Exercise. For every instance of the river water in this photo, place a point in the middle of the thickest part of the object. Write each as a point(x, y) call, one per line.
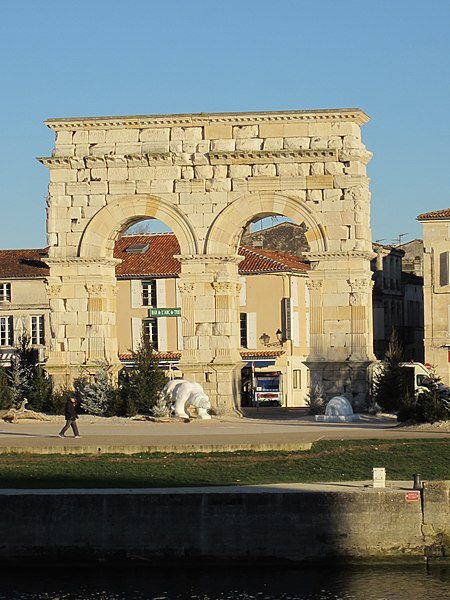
point(267, 583)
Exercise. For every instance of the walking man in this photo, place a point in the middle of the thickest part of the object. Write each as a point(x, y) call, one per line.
point(71, 418)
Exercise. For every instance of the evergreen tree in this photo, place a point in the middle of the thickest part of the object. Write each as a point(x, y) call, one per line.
point(40, 390)
point(161, 408)
point(97, 395)
point(391, 385)
point(431, 405)
point(141, 386)
point(19, 380)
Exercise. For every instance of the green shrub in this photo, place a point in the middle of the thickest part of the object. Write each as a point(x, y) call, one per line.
point(5, 391)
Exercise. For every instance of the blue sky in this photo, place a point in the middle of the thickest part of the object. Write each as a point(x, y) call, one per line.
point(391, 58)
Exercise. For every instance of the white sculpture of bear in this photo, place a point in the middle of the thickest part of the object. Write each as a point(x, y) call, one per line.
point(187, 393)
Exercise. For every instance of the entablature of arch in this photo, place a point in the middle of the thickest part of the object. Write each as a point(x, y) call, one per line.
point(244, 157)
point(232, 157)
point(355, 115)
point(339, 255)
point(95, 161)
point(210, 258)
point(70, 260)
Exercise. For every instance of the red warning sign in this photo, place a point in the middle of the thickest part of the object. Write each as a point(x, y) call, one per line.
point(412, 496)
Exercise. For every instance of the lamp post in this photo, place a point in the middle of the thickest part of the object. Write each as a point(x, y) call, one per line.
point(265, 339)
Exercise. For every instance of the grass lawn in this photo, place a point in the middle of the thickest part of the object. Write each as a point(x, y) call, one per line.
point(327, 461)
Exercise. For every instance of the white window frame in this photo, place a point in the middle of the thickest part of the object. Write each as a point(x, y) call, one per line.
point(6, 331)
point(37, 330)
point(5, 291)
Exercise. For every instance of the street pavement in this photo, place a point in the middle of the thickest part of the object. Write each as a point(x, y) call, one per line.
point(266, 429)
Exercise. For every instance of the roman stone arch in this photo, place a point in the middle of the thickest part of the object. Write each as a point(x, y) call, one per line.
point(206, 176)
point(225, 233)
point(102, 230)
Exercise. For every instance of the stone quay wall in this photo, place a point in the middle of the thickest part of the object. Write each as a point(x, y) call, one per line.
point(283, 523)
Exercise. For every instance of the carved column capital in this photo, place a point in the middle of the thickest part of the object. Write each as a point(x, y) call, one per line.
point(315, 285)
point(186, 287)
point(53, 291)
point(224, 288)
point(96, 290)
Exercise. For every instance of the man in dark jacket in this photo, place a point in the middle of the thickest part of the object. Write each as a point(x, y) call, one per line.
point(71, 417)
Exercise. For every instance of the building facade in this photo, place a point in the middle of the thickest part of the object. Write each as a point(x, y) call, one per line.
point(24, 306)
point(436, 269)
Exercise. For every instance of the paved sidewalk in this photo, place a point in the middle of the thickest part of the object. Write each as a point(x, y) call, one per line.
point(268, 429)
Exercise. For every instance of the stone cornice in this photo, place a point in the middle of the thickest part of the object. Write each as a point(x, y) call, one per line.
point(94, 161)
point(200, 119)
point(70, 260)
point(329, 255)
point(272, 156)
point(210, 258)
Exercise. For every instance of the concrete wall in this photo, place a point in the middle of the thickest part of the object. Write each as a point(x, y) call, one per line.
point(272, 523)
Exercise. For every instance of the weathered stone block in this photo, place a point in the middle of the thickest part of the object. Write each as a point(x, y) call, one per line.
point(63, 175)
point(216, 132)
point(271, 130)
point(245, 131)
point(98, 187)
point(220, 171)
point(351, 141)
point(223, 145)
point(264, 170)
point(239, 171)
point(297, 143)
point(63, 137)
point(317, 168)
point(249, 144)
point(218, 185)
point(118, 174)
point(173, 172)
point(162, 186)
point(186, 133)
point(101, 149)
point(273, 143)
point(155, 134)
point(64, 150)
point(80, 137)
point(122, 187)
point(97, 136)
point(319, 142)
point(333, 168)
point(139, 173)
point(128, 147)
point(122, 135)
point(155, 147)
point(203, 172)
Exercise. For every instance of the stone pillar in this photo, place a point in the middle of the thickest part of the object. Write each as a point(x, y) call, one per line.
point(82, 295)
point(360, 321)
point(316, 319)
point(187, 290)
point(210, 326)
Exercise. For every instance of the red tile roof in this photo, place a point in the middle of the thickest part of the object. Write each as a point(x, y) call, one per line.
point(16, 264)
point(245, 354)
point(436, 214)
point(157, 260)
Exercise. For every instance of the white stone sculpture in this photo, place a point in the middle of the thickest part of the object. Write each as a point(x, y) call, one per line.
point(338, 410)
point(187, 393)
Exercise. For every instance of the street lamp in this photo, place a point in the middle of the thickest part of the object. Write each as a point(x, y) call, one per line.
point(265, 339)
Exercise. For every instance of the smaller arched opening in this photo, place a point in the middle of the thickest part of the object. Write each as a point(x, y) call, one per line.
point(226, 231)
point(108, 223)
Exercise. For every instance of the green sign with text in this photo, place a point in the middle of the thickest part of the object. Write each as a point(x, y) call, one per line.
point(165, 312)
